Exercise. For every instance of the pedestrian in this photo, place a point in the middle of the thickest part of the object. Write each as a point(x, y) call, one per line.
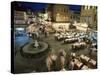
point(61, 59)
point(51, 61)
point(71, 64)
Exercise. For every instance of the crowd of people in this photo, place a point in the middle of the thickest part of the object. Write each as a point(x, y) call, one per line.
point(39, 28)
point(56, 62)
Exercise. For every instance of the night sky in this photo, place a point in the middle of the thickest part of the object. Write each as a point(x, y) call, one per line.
point(75, 7)
point(39, 6)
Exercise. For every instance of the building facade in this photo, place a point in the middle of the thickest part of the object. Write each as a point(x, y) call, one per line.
point(74, 16)
point(61, 13)
point(58, 12)
point(89, 15)
point(20, 17)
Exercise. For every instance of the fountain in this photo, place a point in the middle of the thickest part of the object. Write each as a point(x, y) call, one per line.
point(34, 48)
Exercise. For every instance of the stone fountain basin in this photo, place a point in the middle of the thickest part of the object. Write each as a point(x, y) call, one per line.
point(28, 50)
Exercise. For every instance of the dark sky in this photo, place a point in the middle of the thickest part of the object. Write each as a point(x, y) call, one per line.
point(75, 7)
point(39, 6)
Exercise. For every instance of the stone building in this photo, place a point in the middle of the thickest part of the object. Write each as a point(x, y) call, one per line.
point(61, 13)
point(58, 12)
point(89, 16)
point(20, 17)
point(74, 16)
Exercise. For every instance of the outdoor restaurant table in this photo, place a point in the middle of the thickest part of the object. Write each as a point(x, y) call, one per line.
point(93, 62)
point(73, 54)
point(78, 45)
point(84, 58)
point(78, 63)
point(81, 43)
point(56, 34)
point(71, 40)
point(84, 67)
point(94, 49)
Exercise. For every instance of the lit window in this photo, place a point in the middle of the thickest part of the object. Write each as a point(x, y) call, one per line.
point(20, 29)
point(85, 7)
